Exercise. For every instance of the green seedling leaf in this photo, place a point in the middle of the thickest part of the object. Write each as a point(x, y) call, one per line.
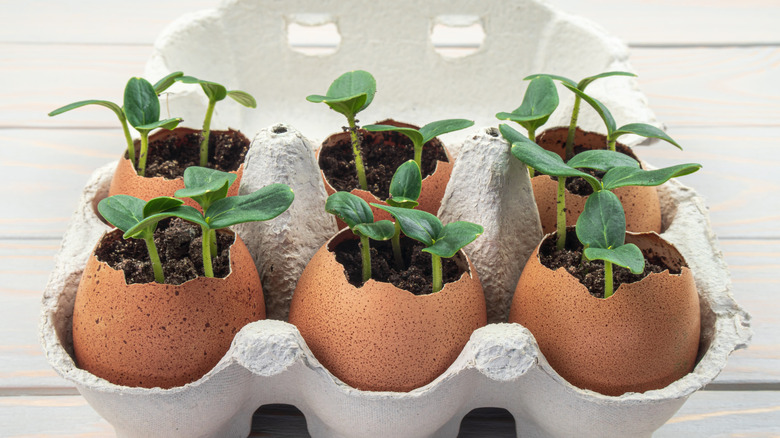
point(644, 130)
point(205, 186)
point(628, 256)
point(160, 204)
point(542, 160)
point(166, 82)
point(539, 102)
point(350, 93)
point(381, 230)
point(122, 211)
point(261, 205)
point(441, 127)
point(414, 135)
point(184, 211)
point(110, 105)
point(417, 224)
point(243, 98)
point(141, 104)
point(602, 160)
point(350, 208)
point(602, 110)
point(167, 124)
point(453, 237)
point(602, 224)
point(556, 77)
point(213, 90)
point(406, 186)
point(630, 176)
point(586, 81)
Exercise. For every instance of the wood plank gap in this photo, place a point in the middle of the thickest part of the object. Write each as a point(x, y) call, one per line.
point(702, 45)
point(56, 239)
point(39, 392)
point(60, 127)
point(74, 43)
point(762, 238)
point(742, 386)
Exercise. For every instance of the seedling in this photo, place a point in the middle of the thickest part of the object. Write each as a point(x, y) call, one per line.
point(613, 132)
point(208, 187)
point(215, 92)
point(539, 102)
point(621, 170)
point(440, 240)
point(424, 134)
point(130, 213)
point(159, 87)
point(349, 94)
point(358, 216)
point(577, 100)
point(405, 188)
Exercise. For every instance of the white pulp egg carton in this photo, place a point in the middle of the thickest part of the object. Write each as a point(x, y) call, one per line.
point(243, 44)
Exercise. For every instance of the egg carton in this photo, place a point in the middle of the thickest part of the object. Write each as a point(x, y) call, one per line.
point(501, 365)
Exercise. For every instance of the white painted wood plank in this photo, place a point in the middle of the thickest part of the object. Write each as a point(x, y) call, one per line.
point(682, 21)
point(55, 416)
point(711, 87)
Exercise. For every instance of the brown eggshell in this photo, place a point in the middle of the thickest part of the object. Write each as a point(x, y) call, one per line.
point(433, 185)
point(645, 336)
point(641, 204)
point(126, 180)
point(161, 335)
point(378, 337)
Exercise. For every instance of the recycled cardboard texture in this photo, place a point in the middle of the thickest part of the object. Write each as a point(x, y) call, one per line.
point(280, 154)
point(491, 188)
point(501, 365)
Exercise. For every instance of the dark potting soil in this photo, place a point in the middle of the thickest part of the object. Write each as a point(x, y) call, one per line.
point(170, 156)
point(579, 186)
point(382, 153)
point(179, 246)
point(591, 273)
point(415, 277)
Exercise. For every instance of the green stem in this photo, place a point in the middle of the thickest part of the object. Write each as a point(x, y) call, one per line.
point(437, 283)
point(154, 257)
point(204, 144)
point(130, 146)
point(213, 240)
point(361, 171)
point(418, 154)
point(607, 279)
point(611, 143)
point(572, 128)
point(561, 203)
point(365, 251)
point(532, 137)
point(144, 150)
point(208, 271)
point(399, 261)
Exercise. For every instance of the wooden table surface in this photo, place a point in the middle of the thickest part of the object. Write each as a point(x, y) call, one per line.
point(709, 68)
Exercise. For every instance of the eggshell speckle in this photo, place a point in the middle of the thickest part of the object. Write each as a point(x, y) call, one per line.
point(126, 180)
point(161, 335)
point(643, 210)
point(378, 337)
point(645, 336)
point(433, 185)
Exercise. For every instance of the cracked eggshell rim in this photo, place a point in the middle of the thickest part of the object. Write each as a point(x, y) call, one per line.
point(379, 337)
point(161, 335)
point(126, 180)
point(433, 185)
point(641, 204)
point(644, 337)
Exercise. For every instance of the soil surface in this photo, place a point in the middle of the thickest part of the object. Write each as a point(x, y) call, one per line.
point(416, 276)
point(579, 186)
point(591, 273)
point(169, 156)
point(179, 246)
point(382, 153)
